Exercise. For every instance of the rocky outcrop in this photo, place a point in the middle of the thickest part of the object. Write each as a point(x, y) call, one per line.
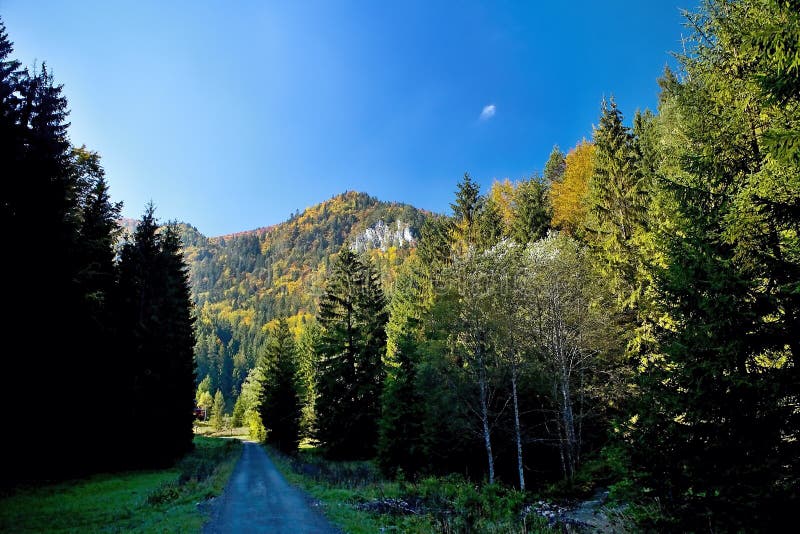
point(381, 235)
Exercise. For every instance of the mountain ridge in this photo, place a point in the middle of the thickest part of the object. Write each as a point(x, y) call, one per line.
point(244, 280)
point(129, 224)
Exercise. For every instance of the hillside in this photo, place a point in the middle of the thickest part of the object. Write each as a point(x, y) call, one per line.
point(242, 281)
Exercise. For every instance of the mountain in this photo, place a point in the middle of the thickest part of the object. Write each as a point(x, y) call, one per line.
point(242, 281)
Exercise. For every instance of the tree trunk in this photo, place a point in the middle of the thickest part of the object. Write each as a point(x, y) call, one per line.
point(516, 427)
point(487, 437)
point(569, 426)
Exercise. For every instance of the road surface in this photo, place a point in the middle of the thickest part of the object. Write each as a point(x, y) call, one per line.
point(258, 499)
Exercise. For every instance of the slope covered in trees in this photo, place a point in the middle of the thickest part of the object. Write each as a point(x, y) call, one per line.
point(242, 282)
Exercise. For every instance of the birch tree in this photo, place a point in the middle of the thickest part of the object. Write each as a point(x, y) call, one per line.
point(471, 339)
point(510, 324)
point(568, 319)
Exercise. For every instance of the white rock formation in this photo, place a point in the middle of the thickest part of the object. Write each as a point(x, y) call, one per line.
point(381, 235)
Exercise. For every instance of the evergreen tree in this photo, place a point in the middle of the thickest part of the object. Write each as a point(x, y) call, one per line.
point(466, 210)
point(490, 224)
point(11, 145)
point(97, 230)
point(95, 279)
point(350, 353)
point(177, 347)
point(218, 411)
point(617, 199)
point(402, 433)
point(401, 443)
point(307, 370)
point(719, 392)
point(372, 318)
point(38, 198)
point(435, 244)
point(119, 333)
point(555, 167)
point(156, 327)
point(279, 404)
point(533, 213)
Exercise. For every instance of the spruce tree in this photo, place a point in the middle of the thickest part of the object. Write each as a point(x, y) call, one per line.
point(372, 318)
point(555, 167)
point(719, 391)
point(279, 404)
point(218, 411)
point(95, 277)
point(11, 145)
point(177, 347)
point(402, 433)
point(401, 443)
point(466, 210)
point(490, 224)
point(38, 198)
point(532, 214)
point(156, 327)
point(350, 352)
point(617, 198)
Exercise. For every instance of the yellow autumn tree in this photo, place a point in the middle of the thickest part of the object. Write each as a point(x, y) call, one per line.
point(502, 194)
point(568, 197)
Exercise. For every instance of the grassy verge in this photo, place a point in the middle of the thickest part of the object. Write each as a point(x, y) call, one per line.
point(204, 428)
point(357, 499)
point(135, 501)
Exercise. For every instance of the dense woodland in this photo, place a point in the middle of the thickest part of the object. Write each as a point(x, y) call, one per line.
point(244, 282)
point(100, 360)
point(627, 318)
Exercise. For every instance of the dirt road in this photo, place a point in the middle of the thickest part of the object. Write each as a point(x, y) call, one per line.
point(258, 499)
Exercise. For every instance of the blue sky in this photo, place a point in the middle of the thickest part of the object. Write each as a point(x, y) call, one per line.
point(232, 115)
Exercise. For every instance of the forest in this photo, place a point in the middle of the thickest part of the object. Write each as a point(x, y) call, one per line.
point(101, 329)
point(627, 318)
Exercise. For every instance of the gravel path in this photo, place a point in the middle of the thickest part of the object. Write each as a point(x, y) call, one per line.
point(258, 499)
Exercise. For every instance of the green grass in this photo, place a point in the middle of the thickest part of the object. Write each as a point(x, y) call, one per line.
point(135, 501)
point(447, 505)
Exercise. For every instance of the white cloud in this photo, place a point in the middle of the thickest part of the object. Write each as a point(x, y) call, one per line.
point(488, 112)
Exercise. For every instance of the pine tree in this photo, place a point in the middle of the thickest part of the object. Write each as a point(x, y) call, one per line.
point(279, 404)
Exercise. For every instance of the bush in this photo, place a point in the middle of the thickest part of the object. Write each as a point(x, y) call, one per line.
point(350, 475)
point(458, 504)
